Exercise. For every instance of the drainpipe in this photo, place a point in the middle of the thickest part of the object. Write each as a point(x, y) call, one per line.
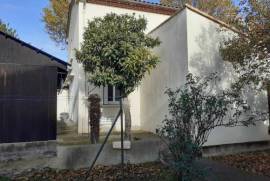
point(268, 96)
point(86, 94)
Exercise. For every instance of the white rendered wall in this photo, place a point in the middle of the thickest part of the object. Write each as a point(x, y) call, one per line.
point(62, 103)
point(73, 42)
point(84, 13)
point(190, 43)
point(170, 72)
point(77, 103)
point(204, 38)
point(94, 10)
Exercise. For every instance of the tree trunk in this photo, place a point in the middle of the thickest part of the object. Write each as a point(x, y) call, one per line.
point(94, 116)
point(126, 109)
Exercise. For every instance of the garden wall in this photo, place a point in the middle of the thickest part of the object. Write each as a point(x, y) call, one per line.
point(27, 150)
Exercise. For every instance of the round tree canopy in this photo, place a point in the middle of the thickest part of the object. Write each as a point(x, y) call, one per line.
point(117, 52)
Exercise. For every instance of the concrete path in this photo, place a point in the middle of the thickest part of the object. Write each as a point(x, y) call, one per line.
point(220, 172)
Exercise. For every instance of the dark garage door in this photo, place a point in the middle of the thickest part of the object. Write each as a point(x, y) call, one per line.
point(27, 103)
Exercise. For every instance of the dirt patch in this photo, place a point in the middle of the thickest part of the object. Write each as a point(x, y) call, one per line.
point(140, 172)
point(72, 138)
point(252, 162)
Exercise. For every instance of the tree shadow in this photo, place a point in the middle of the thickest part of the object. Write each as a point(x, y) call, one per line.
point(205, 58)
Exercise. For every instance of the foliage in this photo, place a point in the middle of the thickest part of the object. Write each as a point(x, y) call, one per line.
point(95, 115)
point(55, 17)
point(222, 9)
point(195, 110)
point(116, 51)
point(250, 51)
point(7, 29)
point(175, 3)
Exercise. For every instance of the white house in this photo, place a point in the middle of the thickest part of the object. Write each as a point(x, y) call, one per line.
point(80, 13)
point(190, 43)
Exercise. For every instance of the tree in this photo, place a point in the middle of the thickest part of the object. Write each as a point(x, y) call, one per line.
point(249, 52)
point(175, 3)
point(116, 51)
point(195, 110)
point(224, 10)
point(55, 17)
point(7, 29)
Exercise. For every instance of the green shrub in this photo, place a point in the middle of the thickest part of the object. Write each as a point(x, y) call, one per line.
point(195, 110)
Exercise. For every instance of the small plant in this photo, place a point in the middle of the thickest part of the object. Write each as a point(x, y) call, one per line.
point(195, 110)
point(95, 114)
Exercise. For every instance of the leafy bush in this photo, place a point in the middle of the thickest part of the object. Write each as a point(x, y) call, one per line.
point(195, 110)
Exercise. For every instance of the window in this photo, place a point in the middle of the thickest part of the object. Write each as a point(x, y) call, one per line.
point(111, 95)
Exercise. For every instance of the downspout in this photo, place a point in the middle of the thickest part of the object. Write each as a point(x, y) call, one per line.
point(268, 97)
point(85, 78)
point(85, 82)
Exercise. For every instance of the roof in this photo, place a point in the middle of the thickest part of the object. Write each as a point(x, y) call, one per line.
point(157, 8)
point(51, 57)
point(137, 5)
point(212, 18)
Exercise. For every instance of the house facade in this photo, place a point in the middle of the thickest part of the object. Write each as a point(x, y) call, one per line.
point(80, 13)
point(191, 41)
point(190, 44)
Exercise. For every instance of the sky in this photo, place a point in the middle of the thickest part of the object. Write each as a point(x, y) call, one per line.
point(25, 16)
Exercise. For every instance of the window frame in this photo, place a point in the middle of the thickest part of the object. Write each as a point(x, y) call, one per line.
point(105, 96)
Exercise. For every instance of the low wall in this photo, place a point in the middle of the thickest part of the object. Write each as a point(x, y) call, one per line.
point(228, 149)
point(141, 151)
point(27, 150)
point(83, 155)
